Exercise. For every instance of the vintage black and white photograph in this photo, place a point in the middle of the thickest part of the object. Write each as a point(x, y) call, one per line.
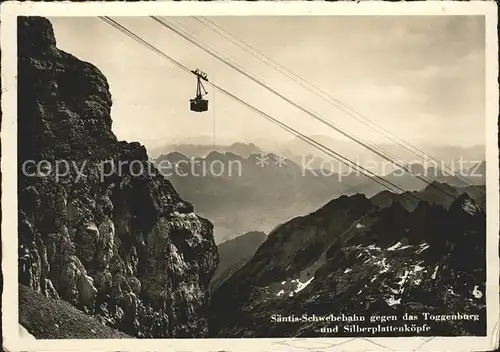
point(320, 176)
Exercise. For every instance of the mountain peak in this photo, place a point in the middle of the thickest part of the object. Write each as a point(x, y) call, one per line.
point(233, 156)
point(465, 204)
point(436, 185)
point(356, 201)
point(214, 155)
point(174, 157)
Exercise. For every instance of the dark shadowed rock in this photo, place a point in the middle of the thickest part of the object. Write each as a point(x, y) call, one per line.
point(235, 253)
point(434, 193)
point(353, 258)
point(109, 235)
point(46, 318)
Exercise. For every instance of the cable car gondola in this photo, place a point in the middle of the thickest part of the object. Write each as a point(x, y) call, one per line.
point(198, 104)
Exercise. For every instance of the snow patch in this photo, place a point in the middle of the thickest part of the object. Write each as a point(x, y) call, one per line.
point(92, 227)
point(347, 270)
point(302, 285)
point(418, 268)
point(383, 265)
point(396, 290)
point(397, 246)
point(403, 278)
point(477, 293)
point(394, 247)
point(392, 301)
point(293, 286)
point(422, 247)
point(359, 226)
point(469, 207)
point(434, 274)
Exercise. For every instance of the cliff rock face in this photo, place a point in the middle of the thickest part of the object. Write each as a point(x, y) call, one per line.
point(104, 231)
point(352, 257)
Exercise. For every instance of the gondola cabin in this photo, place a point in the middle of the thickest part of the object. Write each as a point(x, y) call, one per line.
point(198, 104)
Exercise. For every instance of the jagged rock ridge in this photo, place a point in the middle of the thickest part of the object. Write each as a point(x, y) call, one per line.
point(434, 193)
point(107, 236)
point(352, 257)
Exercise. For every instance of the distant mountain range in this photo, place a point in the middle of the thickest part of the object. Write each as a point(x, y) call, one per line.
point(241, 194)
point(351, 257)
point(354, 151)
point(298, 150)
point(202, 150)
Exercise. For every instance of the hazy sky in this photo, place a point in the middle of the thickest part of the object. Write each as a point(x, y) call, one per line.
point(420, 77)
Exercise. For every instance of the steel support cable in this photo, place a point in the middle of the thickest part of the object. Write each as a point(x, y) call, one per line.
point(289, 75)
point(215, 53)
point(312, 114)
point(329, 98)
point(316, 144)
point(372, 148)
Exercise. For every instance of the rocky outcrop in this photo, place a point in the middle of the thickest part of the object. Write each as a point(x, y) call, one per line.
point(45, 318)
point(354, 258)
point(98, 226)
point(434, 193)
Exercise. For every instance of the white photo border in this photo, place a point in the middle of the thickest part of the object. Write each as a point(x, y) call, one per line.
point(10, 10)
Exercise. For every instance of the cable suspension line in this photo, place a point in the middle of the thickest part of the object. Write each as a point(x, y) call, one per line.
point(376, 178)
point(329, 98)
point(310, 113)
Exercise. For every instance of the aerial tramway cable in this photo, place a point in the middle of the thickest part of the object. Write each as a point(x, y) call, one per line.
point(328, 97)
point(213, 114)
point(288, 75)
point(373, 149)
point(385, 155)
point(346, 161)
point(214, 53)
